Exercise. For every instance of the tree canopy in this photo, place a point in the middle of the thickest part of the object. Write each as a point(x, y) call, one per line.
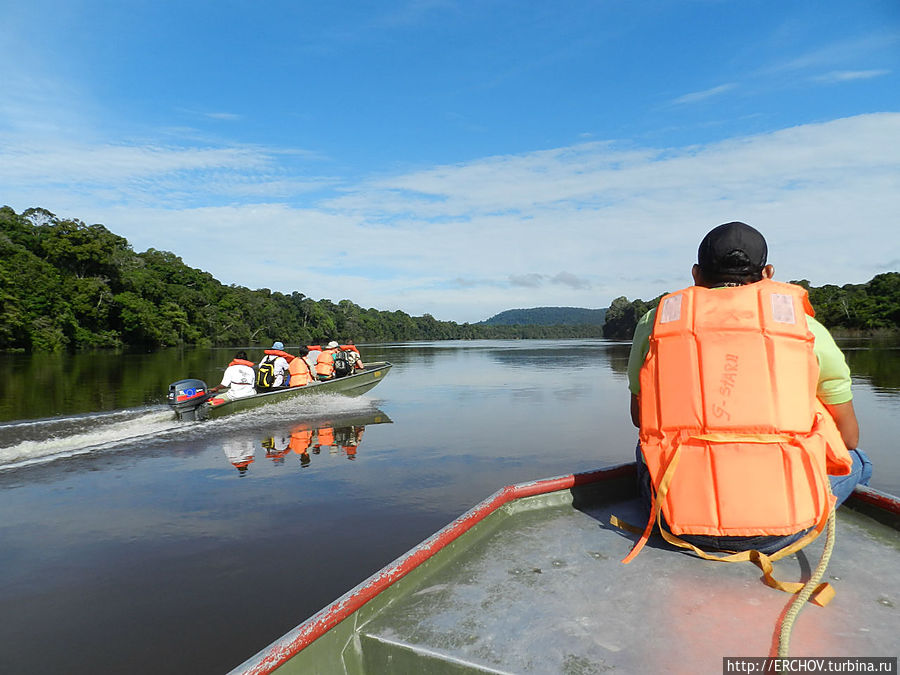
point(67, 285)
point(858, 308)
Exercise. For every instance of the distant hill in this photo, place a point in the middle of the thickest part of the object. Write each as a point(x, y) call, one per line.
point(547, 316)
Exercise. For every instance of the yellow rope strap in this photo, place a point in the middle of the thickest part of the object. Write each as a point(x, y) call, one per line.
point(810, 588)
point(820, 595)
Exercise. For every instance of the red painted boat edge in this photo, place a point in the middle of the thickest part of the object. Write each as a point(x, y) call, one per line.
point(282, 650)
point(881, 500)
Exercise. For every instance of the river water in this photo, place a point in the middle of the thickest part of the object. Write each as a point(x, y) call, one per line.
point(133, 543)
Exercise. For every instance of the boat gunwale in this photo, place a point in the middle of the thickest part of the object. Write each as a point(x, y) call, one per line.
point(294, 641)
point(297, 639)
point(368, 371)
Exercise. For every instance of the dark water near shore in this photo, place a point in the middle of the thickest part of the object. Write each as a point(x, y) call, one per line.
point(131, 543)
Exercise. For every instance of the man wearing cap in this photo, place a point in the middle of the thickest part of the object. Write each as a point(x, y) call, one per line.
point(736, 384)
point(272, 371)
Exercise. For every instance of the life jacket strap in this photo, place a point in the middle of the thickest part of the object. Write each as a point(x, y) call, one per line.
point(821, 596)
point(656, 506)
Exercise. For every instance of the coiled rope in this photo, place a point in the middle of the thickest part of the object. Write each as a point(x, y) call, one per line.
point(787, 625)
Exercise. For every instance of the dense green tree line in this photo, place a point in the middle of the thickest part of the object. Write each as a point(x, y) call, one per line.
point(67, 285)
point(853, 308)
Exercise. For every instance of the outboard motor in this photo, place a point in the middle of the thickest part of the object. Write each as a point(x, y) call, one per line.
point(186, 397)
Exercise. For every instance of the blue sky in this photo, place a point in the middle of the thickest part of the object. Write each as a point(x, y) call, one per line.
point(461, 158)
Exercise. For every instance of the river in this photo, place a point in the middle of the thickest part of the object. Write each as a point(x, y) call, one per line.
point(134, 543)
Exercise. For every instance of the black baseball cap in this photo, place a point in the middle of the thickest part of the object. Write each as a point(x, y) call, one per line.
point(732, 249)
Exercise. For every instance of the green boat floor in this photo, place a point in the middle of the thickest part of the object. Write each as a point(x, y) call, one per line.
point(543, 590)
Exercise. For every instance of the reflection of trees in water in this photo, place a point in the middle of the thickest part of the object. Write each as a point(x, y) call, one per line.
point(613, 355)
point(876, 360)
point(50, 384)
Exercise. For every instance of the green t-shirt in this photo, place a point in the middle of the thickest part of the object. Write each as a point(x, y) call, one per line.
point(834, 373)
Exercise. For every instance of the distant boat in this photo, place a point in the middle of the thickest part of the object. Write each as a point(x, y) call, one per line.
point(530, 581)
point(191, 400)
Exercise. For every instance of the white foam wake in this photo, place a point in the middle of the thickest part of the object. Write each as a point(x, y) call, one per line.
point(40, 441)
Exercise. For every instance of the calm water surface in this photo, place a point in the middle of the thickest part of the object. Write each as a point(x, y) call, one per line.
point(132, 543)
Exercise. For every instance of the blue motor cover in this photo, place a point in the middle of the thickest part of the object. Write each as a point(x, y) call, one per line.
point(187, 394)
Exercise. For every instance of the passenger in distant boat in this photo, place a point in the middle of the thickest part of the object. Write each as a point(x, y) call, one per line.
point(735, 383)
point(238, 378)
point(272, 372)
point(353, 356)
point(325, 361)
point(301, 373)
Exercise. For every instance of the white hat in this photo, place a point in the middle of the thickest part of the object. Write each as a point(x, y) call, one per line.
point(332, 345)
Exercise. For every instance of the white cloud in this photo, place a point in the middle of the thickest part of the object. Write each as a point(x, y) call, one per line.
point(850, 75)
point(697, 96)
point(573, 226)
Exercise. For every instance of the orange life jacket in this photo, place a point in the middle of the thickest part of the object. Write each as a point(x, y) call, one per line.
point(728, 395)
point(325, 436)
point(278, 352)
point(325, 362)
point(241, 362)
point(301, 439)
point(320, 348)
point(300, 372)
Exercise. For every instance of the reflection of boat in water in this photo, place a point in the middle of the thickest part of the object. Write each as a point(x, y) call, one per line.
point(530, 580)
point(190, 399)
point(240, 452)
point(334, 435)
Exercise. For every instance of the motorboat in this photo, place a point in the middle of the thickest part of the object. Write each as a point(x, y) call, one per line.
point(531, 580)
point(190, 399)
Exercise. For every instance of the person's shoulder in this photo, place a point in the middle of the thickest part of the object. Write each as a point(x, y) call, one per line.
point(648, 317)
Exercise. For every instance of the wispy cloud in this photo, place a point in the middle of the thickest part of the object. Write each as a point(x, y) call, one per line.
point(571, 280)
point(850, 75)
point(230, 117)
point(842, 52)
point(527, 280)
point(570, 226)
point(698, 96)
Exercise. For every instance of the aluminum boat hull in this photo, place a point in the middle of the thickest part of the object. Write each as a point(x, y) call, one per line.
point(530, 581)
point(352, 385)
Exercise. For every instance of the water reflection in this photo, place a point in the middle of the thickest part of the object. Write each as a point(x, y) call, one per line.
point(337, 436)
point(876, 360)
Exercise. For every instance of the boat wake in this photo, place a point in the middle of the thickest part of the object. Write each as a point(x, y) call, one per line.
point(31, 442)
point(39, 441)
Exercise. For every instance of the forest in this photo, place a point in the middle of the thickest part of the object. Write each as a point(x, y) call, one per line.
point(66, 285)
point(869, 308)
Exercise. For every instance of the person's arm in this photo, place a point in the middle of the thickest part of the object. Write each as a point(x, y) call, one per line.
point(845, 418)
point(224, 384)
point(640, 345)
point(833, 387)
point(635, 411)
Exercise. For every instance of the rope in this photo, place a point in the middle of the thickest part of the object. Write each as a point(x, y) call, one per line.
point(787, 625)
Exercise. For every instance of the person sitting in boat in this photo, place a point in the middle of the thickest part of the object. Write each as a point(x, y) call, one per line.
point(272, 372)
point(325, 361)
point(301, 373)
point(734, 382)
point(237, 379)
point(353, 356)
